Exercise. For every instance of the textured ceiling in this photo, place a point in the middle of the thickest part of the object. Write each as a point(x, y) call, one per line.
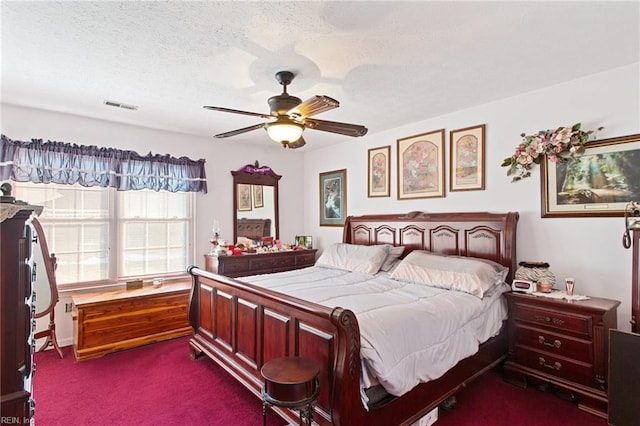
point(388, 63)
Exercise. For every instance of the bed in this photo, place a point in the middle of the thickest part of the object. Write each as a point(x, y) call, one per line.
point(241, 325)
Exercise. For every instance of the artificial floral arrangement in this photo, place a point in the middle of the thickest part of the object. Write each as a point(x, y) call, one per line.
point(558, 145)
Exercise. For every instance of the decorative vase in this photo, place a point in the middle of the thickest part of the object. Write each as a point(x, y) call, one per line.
point(538, 272)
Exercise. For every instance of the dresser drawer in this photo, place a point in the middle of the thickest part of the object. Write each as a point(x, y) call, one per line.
point(565, 321)
point(569, 369)
point(258, 262)
point(306, 259)
point(234, 264)
point(555, 343)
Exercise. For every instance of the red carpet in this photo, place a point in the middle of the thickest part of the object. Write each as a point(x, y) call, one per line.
point(160, 384)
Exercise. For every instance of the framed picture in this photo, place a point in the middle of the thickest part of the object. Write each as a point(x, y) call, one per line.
point(244, 197)
point(258, 200)
point(333, 198)
point(379, 172)
point(421, 166)
point(600, 182)
point(466, 155)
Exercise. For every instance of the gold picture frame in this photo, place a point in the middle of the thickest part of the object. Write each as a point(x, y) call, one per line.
point(379, 172)
point(598, 183)
point(421, 166)
point(333, 198)
point(467, 159)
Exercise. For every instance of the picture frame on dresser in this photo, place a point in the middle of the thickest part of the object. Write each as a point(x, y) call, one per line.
point(598, 183)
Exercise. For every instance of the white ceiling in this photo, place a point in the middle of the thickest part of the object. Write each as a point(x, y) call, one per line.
point(388, 63)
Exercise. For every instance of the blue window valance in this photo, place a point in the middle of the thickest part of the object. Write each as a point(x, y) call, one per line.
point(65, 163)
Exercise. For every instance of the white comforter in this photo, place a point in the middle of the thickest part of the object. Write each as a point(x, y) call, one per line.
point(410, 333)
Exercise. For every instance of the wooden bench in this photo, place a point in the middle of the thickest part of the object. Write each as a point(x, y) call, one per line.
point(110, 321)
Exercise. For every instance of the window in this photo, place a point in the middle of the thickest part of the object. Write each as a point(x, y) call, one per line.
point(152, 231)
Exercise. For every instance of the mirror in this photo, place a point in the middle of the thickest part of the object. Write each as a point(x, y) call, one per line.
point(255, 202)
point(45, 285)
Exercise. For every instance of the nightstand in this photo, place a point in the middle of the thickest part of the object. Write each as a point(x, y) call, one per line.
point(565, 344)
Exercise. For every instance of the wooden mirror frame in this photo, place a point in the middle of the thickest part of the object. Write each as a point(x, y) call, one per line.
point(50, 264)
point(255, 175)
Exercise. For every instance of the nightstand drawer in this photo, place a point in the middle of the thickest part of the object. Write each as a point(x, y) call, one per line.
point(555, 343)
point(557, 366)
point(574, 323)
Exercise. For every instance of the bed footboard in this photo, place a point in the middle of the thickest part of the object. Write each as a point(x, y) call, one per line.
point(241, 327)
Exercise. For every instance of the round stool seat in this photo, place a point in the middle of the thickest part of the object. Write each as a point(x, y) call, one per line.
point(291, 382)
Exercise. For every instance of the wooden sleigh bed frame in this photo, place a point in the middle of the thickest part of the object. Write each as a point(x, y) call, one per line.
point(241, 326)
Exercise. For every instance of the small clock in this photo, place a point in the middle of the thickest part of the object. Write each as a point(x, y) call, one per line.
point(523, 286)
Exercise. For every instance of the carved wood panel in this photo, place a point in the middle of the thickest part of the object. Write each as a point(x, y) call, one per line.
point(205, 312)
point(320, 346)
point(445, 240)
point(484, 242)
point(247, 331)
point(385, 235)
point(276, 329)
point(223, 321)
point(413, 238)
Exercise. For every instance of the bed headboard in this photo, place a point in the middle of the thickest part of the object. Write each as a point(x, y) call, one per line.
point(484, 235)
point(254, 229)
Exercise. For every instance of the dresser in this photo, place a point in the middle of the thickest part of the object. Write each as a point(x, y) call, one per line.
point(110, 321)
point(635, 284)
point(259, 263)
point(17, 306)
point(564, 344)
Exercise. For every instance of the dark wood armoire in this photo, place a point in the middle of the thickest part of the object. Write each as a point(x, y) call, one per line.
point(16, 313)
point(624, 368)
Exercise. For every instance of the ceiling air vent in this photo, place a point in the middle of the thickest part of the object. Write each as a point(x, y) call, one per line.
point(121, 105)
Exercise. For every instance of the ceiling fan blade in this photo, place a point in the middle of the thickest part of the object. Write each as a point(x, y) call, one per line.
point(297, 144)
point(347, 129)
point(237, 111)
point(313, 106)
point(239, 131)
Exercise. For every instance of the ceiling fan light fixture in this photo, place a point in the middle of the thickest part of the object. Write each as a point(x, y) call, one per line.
point(284, 130)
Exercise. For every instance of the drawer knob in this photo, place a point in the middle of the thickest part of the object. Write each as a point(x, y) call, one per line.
point(555, 366)
point(556, 343)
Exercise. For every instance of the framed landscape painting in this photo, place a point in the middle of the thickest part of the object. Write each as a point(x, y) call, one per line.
point(421, 166)
point(379, 176)
point(333, 198)
point(600, 182)
point(466, 155)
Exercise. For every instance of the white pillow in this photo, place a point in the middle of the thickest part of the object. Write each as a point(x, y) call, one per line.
point(350, 257)
point(468, 274)
point(392, 258)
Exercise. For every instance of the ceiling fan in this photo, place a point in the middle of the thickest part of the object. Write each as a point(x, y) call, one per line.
point(290, 116)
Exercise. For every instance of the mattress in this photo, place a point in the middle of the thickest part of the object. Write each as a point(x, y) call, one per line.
point(410, 333)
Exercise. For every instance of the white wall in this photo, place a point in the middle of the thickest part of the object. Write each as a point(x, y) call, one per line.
point(221, 156)
point(588, 249)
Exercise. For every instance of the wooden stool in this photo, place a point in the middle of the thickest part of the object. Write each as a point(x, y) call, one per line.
point(291, 382)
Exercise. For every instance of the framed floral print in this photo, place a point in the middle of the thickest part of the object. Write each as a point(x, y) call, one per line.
point(333, 198)
point(379, 177)
point(466, 157)
point(258, 200)
point(421, 166)
point(244, 197)
point(599, 182)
